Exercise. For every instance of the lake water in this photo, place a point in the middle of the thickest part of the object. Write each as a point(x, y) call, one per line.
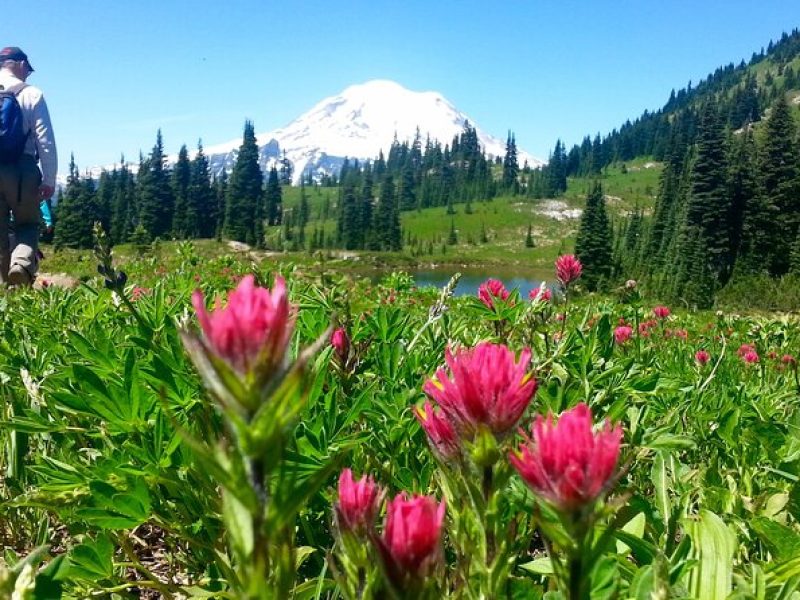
point(471, 279)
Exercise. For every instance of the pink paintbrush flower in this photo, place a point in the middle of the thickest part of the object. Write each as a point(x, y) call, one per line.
point(622, 334)
point(744, 349)
point(567, 462)
point(661, 312)
point(750, 357)
point(702, 357)
point(254, 327)
point(540, 294)
point(341, 344)
point(411, 541)
point(358, 502)
point(568, 269)
point(442, 436)
point(485, 386)
point(491, 289)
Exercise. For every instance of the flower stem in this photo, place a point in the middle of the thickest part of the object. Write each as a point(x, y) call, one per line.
point(578, 569)
point(487, 488)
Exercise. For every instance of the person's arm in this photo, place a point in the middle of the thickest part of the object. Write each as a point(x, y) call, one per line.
point(45, 146)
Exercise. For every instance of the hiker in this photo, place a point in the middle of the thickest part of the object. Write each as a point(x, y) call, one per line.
point(26, 143)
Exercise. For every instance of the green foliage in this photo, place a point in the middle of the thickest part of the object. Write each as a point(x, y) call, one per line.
point(76, 211)
point(155, 199)
point(244, 196)
point(593, 244)
point(185, 218)
point(780, 176)
point(511, 166)
point(203, 206)
point(96, 431)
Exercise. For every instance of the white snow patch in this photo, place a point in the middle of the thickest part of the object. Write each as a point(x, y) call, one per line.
point(558, 210)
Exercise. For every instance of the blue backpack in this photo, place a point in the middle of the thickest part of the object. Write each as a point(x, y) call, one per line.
point(12, 127)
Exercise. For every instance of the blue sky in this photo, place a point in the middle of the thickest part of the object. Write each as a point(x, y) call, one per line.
point(114, 72)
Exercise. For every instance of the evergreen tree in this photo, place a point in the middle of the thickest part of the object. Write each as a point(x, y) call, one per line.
point(529, 237)
point(124, 214)
point(511, 166)
point(76, 212)
point(104, 198)
point(557, 171)
point(220, 197)
point(780, 169)
point(303, 212)
point(274, 198)
point(244, 200)
point(594, 241)
point(387, 218)
point(184, 219)
point(452, 238)
point(743, 190)
point(349, 233)
point(365, 217)
point(406, 193)
point(708, 209)
point(156, 202)
point(202, 199)
point(287, 170)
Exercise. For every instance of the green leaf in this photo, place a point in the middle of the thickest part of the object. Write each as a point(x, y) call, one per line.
point(783, 542)
point(634, 527)
point(670, 441)
point(301, 553)
point(239, 524)
point(605, 579)
point(539, 566)
point(713, 546)
point(662, 484)
point(48, 579)
point(91, 560)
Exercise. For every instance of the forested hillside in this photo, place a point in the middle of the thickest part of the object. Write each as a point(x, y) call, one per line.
point(728, 201)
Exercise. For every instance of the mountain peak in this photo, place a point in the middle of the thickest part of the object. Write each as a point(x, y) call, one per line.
point(365, 118)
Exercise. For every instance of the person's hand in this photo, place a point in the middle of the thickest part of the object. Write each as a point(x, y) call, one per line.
point(46, 191)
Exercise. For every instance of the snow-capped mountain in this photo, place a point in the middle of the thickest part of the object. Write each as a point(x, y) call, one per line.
point(356, 124)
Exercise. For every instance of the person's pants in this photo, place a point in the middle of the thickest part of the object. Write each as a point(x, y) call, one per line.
point(19, 196)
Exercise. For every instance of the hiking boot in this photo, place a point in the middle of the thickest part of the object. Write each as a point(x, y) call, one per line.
point(19, 275)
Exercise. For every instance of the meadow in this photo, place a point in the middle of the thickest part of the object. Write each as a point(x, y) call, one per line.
point(151, 449)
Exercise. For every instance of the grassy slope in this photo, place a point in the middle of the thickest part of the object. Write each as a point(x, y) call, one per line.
point(506, 218)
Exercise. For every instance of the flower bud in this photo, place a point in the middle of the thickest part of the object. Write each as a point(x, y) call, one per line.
point(491, 289)
point(358, 503)
point(485, 386)
point(566, 462)
point(442, 436)
point(411, 541)
point(568, 269)
point(252, 330)
point(341, 345)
